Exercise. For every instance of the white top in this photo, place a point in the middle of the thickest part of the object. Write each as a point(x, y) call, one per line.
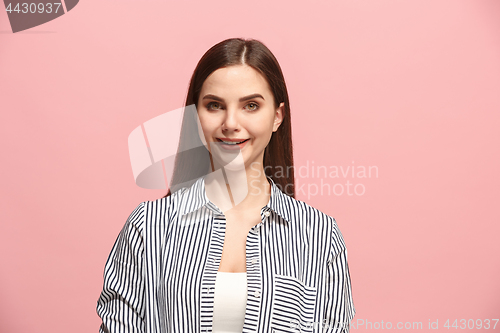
point(230, 300)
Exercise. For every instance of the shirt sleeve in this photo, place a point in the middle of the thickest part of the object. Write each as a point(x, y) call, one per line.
point(339, 309)
point(121, 303)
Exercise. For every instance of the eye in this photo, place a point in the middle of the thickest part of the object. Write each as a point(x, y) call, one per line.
point(213, 106)
point(252, 106)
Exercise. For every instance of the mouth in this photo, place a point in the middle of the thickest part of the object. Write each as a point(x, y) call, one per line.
point(232, 143)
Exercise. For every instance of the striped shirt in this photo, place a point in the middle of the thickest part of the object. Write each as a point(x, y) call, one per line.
point(160, 274)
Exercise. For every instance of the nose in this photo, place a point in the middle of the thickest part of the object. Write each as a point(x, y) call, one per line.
point(230, 121)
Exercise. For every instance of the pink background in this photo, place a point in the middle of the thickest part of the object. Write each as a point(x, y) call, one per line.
point(411, 87)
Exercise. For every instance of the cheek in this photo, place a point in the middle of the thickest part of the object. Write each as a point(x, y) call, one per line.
point(204, 129)
point(262, 133)
point(206, 124)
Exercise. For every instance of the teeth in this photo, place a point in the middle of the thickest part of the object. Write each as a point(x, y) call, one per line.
point(232, 143)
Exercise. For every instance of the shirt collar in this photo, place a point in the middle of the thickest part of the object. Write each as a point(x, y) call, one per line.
point(195, 197)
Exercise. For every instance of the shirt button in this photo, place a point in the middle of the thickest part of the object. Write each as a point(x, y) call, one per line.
point(254, 261)
point(267, 213)
point(256, 293)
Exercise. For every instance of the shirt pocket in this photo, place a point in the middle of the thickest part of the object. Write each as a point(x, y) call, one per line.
point(293, 305)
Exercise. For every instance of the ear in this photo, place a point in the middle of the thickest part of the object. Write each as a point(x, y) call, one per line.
point(278, 116)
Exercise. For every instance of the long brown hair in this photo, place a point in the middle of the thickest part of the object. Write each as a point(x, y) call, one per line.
point(191, 164)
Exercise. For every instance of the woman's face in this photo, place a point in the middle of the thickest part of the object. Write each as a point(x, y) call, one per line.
point(236, 103)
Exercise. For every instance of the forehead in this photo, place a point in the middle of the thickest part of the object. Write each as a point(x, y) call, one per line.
point(235, 80)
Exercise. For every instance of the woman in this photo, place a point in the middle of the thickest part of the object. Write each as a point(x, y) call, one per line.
point(226, 250)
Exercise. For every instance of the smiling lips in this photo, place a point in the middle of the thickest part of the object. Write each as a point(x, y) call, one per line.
point(232, 143)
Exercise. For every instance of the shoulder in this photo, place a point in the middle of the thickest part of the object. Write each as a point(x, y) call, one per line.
point(315, 223)
point(311, 217)
point(301, 211)
point(137, 217)
point(162, 209)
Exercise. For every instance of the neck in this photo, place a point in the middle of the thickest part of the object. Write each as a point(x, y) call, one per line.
point(238, 188)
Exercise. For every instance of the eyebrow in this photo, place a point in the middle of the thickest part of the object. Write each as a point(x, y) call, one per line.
point(246, 98)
